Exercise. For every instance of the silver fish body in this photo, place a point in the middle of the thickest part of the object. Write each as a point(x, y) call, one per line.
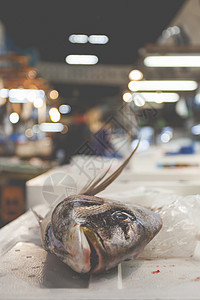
point(92, 234)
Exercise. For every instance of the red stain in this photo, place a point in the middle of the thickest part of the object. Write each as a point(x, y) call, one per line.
point(156, 272)
point(196, 279)
point(172, 265)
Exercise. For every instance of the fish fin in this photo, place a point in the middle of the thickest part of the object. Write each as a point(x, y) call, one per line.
point(38, 217)
point(99, 186)
point(93, 183)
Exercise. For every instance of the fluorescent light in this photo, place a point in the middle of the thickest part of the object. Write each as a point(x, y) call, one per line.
point(24, 95)
point(163, 85)
point(173, 61)
point(31, 96)
point(98, 39)
point(159, 97)
point(17, 96)
point(4, 93)
point(135, 75)
point(93, 39)
point(78, 38)
point(82, 59)
point(15, 100)
point(51, 127)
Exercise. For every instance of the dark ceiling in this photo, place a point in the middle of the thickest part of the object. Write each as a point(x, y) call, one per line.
point(46, 25)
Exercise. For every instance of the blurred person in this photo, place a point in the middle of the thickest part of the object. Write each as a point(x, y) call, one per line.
point(65, 145)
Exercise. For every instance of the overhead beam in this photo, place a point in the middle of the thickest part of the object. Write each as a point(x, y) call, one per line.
point(113, 75)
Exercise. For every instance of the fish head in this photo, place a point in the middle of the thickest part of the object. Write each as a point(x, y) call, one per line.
point(92, 234)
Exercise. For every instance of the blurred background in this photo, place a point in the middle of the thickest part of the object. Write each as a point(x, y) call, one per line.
point(88, 78)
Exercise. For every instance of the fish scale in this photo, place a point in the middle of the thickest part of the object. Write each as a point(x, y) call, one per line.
point(85, 211)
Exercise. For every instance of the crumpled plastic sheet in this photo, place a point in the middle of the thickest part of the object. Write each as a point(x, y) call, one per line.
point(180, 234)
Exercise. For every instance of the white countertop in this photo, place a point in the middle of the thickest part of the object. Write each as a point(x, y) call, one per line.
point(28, 272)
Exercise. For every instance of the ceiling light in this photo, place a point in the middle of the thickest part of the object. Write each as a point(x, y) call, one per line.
point(17, 96)
point(64, 109)
point(173, 61)
point(135, 75)
point(163, 85)
point(82, 59)
point(4, 93)
point(24, 95)
point(51, 127)
point(196, 129)
point(138, 100)
point(32, 74)
point(36, 128)
point(127, 97)
point(143, 145)
point(78, 38)
point(15, 100)
point(31, 96)
point(38, 103)
point(159, 97)
point(53, 94)
point(98, 39)
point(29, 133)
point(54, 114)
point(165, 137)
point(14, 118)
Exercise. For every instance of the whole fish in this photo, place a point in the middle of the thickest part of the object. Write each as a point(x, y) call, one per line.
point(91, 234)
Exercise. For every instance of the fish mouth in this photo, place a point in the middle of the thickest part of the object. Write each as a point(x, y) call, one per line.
point(97, 249)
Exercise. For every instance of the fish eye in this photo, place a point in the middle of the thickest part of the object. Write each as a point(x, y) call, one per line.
point(123, 216)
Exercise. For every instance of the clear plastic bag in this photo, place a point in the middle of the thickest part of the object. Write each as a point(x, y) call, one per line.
point(180, 234)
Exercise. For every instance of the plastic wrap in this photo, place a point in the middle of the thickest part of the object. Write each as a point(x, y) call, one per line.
point(180, 234)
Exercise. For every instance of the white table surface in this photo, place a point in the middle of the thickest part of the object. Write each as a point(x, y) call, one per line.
point(28, 272)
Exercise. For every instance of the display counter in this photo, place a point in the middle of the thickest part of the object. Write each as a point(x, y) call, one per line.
point(145, 170)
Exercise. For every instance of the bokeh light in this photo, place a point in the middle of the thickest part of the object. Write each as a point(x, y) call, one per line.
point(14, 117)
point(54, 114)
